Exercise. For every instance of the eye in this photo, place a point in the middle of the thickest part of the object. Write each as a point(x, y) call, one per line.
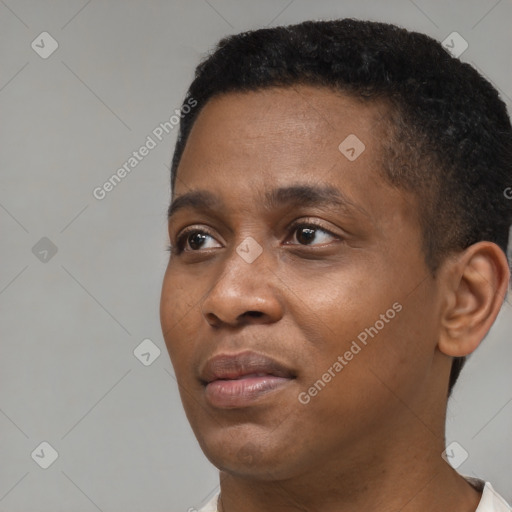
point(307, 232)
point(192, 237)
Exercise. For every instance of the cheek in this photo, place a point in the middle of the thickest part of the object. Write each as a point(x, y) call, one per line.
point(336, 306)
point(332, 322)
point(403, 358)
point(179, 310)
point(387, 353)
point(373, 324)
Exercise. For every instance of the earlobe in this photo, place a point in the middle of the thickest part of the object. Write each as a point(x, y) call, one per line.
point(475, 288)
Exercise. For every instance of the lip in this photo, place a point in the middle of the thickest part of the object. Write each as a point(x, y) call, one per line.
point(238, 380)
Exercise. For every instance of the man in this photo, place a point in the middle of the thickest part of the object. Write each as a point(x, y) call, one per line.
point(338, 232)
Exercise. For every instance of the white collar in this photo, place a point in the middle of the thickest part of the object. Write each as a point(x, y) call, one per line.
point(490, 501)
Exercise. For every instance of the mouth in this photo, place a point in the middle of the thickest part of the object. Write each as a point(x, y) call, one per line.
point(240, 380)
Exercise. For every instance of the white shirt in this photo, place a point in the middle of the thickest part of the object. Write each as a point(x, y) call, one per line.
point(490, 501)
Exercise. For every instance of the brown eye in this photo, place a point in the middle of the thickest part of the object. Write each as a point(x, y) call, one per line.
point(307, 233)
point(192, 240)
point(195, 239)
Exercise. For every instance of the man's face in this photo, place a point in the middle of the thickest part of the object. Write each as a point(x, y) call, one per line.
point(256, 280)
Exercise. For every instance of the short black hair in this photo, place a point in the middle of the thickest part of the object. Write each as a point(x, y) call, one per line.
point(449, 137)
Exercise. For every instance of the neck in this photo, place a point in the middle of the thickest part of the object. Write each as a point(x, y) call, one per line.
point(406, 475)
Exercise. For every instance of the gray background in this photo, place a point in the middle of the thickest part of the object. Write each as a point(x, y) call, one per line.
point(70, 322)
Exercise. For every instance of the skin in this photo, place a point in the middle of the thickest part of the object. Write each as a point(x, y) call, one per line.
point(372, 438)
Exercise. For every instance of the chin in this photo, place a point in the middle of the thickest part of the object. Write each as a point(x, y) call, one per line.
point(240, 454)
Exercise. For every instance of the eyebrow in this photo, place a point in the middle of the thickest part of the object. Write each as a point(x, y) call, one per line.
point(303, 195)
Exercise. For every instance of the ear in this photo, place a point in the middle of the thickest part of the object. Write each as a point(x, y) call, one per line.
point(474, 288)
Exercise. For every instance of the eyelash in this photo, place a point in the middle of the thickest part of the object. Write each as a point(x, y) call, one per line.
point(294, 227)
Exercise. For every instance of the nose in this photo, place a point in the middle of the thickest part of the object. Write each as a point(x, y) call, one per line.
point(243, 293)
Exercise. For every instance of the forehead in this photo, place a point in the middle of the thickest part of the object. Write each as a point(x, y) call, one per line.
point(283, 128)
point(244, 144)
